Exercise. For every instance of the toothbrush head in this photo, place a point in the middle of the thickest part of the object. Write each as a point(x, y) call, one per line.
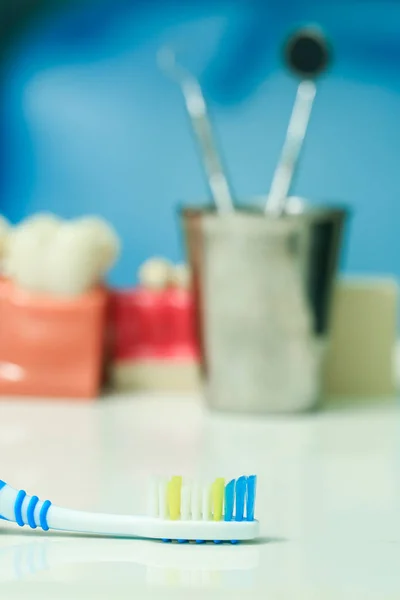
point(215, 511)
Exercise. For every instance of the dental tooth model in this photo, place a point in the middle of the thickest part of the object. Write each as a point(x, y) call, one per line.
point(104, 238)
point(155, 274)
point(60, 258)
point(26, 251)
point(53, 306)
point(155, 345)
point(83, 251)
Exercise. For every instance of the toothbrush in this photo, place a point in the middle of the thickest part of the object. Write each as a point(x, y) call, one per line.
point(177, 510)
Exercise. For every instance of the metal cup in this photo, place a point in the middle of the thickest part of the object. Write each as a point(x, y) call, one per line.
point(262, 289)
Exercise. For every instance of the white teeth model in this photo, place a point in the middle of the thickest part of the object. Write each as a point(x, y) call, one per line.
point(60, 258)
point(82, 252)
point(106, 240)
point(155, 273)
point(26, 251)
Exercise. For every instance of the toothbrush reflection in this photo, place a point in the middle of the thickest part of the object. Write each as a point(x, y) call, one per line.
point(156, 564)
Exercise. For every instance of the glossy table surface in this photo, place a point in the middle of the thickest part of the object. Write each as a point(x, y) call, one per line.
point(328, 499)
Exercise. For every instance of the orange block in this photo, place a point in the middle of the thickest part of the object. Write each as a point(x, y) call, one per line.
point(51, 347)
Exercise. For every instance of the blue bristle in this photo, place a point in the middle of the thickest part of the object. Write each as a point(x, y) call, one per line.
point(234, 541)
point(217, 542)
point(166, 541)
point(229, 500)
point(199, 541)
point(240, 496)
point(251, 497)
point(183, 541)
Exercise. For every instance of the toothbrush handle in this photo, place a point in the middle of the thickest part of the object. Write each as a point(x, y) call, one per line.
point(18, 507)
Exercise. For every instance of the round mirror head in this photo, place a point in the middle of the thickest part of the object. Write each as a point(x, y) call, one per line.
point(307, 53)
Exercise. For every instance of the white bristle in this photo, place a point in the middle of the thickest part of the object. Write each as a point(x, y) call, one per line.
point(162, 499)
point(153, 498)
point(195, 502)
point(185, 500)
point(206, 503)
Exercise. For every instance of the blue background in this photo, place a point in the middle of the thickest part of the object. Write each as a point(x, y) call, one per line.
point(90, 125)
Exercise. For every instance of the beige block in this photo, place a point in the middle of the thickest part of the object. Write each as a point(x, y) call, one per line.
point(360, 360)
point(150, 375)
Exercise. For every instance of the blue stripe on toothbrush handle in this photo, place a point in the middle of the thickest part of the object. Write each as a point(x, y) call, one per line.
point(43, 515)
point(18, 508)
point(240, 495)
point(30, 513)
point(251, 497)
point(229, 500)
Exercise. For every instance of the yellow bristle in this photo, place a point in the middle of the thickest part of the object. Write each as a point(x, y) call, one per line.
point(218, 488)
point(174, 497)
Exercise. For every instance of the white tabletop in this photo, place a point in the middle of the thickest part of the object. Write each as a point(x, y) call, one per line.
point(328, 499)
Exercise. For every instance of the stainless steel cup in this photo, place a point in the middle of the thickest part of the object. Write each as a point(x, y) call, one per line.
point(262, 290)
